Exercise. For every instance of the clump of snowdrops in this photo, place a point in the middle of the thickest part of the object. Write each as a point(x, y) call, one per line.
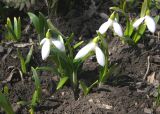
point(59, 48)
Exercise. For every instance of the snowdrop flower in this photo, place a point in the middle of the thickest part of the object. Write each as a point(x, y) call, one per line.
point(151, 25)
point(46, 44)
point(112, 22)
point(92, 47)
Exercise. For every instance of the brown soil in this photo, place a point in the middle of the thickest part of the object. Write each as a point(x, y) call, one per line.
point(126, 92)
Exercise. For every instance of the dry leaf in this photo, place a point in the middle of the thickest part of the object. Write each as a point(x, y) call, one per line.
point(151, 78)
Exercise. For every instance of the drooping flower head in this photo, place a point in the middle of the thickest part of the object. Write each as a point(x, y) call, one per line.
point(112, 22)
point(149, 21)
point(92, 46)
point(46, 45)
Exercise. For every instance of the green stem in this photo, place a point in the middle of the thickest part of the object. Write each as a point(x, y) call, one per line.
point(74, 80)
point(39, 38)
point(106, 67)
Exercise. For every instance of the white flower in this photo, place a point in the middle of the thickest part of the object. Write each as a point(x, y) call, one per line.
point(116, 27)
point(151, 25)
point(46, 44)
point(92, 47)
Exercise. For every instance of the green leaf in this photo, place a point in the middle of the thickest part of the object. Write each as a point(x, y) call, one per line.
point(62, 82)
point(144, 8)
point(156, 19)
point(19, 28)
point(36, 78)
point(34, 99)
point(69, 40)
point(29, 55)
point(117, 9)
point(15, 27)
point(91, 86)
point(9, 24)
point(84, 87)
point(6, 90)
point(139, 33)
point(129, 28)
point(4, 103)
point(45, 68)
point(10, 32)
point(53, 28)
point(23, 65)
point(43, 24)
point(35, 21)
point(38, 86)
point(124, 6)
point(78, 44)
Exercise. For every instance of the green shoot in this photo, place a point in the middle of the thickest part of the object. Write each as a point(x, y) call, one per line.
point(86, 89)
point(37, 94)
point(39, 23)
point(4, 103)
point(24, 62)
point(13, 32)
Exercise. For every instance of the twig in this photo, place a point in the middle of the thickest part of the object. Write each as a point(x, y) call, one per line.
point(148, 66)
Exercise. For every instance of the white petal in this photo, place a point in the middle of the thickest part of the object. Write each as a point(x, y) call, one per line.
point(117, 29)
point(100, 56)
point(59, 45)
point(151, 25)
point(138, 22)
point(85, 50)
point(104, 27)
point(45, 49)
point(42, 41)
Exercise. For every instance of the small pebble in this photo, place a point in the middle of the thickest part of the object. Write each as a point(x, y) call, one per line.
point(148, 110)
point(151, 42)
point(158, 110)
point(1, 49)
point(140, 45)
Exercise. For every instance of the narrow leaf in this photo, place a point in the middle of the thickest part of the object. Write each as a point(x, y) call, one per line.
point(35, 21)
point(15, 27)
point(4, 103)
point(144, 8)
point(62, 82)
point(19, 28)
point(129, 28)
point(78, 44)
point(84, 87)
point(117, 9)
point(53, 28)
point(34, 99)
point(9, 24)
point(45, 68)
point(11, 34)
point(156, 19)
point(139, 33)
point(36, 78)
point(43, 23)
point(29, 55)
point(23, 66)
point(38, 86)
